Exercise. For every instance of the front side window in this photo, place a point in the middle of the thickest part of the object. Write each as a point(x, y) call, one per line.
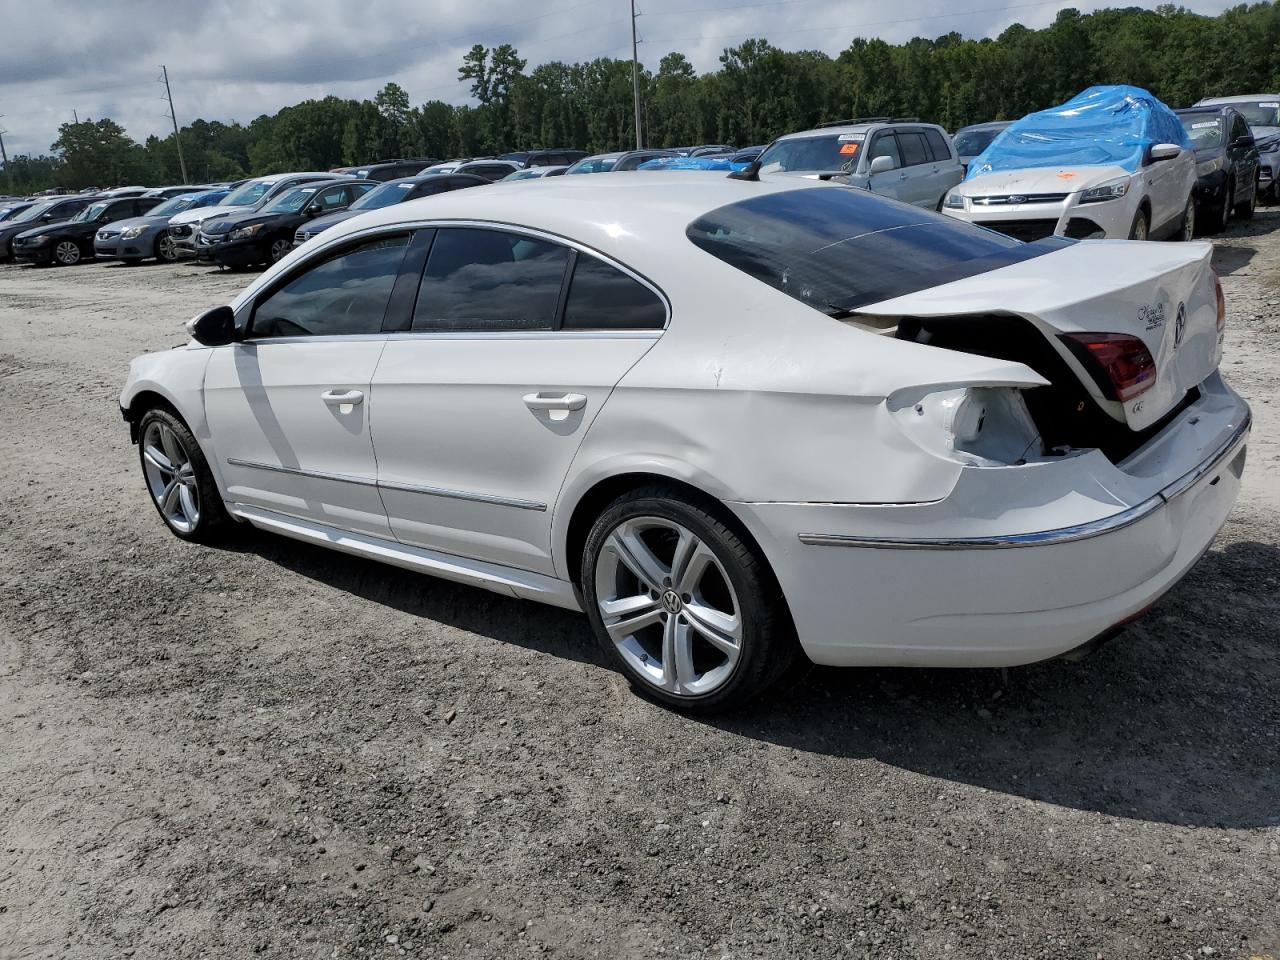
point(91, 212)
point(490, 280)
point(333, 198)
point(344, 295)
point(838, 250)
point(885, 145)
point(602, 297)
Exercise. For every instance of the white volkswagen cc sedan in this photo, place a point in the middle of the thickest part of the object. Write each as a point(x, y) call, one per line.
point(739, 424)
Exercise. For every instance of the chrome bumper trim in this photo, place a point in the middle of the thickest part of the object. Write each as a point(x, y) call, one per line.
point(1083, 531)
point(386, 485)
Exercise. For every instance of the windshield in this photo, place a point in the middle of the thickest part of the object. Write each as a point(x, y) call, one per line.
point(91, 212)
point(1206, 133)
point(382, 196)
point(32, 212)
point(970, 143)
point(838, 250)
point(171, 206)
point(593, 165)
point(1264, 113)
point(530, 174)
point(246, 195)
point(7, 212)
point(291, 201)
point(830, 151)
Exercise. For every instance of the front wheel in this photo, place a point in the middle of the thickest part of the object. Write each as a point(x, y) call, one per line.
point(66, 253)
point(1141, 226)
point(278, 250)
point(179, 480)
point(166, 249)
point(685, 607)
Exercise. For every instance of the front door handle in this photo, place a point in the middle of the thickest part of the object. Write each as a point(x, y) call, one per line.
point(566, 401)
point(342, 396)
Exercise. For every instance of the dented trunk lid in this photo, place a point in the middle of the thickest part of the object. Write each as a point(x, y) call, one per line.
point(1162, 293)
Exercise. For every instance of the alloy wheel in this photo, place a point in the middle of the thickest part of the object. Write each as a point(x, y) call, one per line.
point(67, 253)
point(1189, 220)
point(171, 477)
point(668, 606)
point(279, 248)
point(165, 248)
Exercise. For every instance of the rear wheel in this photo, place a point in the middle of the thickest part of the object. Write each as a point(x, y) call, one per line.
point(66, 253)
point(1141, 226)
point(685, 607)
point(1245, 210)
point(179, 480)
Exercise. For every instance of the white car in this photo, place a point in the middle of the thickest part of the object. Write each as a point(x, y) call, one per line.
point(1085, 202)
point(250, 195)
point(739, 424)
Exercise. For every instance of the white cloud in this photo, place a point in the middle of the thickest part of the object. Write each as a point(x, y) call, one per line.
point(234, 61)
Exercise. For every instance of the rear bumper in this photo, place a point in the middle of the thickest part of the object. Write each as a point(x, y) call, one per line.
point(864, 593)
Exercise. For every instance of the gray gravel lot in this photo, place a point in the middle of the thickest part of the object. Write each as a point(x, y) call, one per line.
point(271, 749)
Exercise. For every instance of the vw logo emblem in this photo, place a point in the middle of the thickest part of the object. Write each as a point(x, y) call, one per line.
point(671, 602)
point(1180, 326)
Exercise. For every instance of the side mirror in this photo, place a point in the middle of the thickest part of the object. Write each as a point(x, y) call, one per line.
point(1164, 151)
point(882, 165)
point(46, 217)
point(214, 328)
point(1244, 141)
point(314, 210)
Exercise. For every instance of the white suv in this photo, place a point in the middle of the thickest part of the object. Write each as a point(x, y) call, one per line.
point(908, 161)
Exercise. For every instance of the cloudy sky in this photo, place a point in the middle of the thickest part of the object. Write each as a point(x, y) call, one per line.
point(232, 60)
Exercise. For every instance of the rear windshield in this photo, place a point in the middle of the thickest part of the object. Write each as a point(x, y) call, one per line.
point(839, 248)
point(970, 143)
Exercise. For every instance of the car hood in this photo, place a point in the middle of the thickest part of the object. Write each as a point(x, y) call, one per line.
point(201, 214)
point(1040, 180)
point(10, 230)
point(119, 226)
point(57, 225)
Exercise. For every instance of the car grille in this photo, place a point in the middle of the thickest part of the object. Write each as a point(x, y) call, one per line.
point(301, 236)
point(1006, 199)
point(180, 232)
point(108, 234)
point(1022, 229)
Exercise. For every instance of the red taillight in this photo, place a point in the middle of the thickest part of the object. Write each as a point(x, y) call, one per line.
point(1222, 302)
point(1121, 365)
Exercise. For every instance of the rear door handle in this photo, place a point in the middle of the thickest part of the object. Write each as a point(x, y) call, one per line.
point(342, 396)
point(566, 401)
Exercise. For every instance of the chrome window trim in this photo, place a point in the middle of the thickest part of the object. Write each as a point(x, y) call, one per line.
point(1083, 531)
point(515, 502)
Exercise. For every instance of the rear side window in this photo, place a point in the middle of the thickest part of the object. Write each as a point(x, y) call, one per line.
point(838, 250)
point(602, 297)
point(490, 280)
point(914, 150)
point(937, 145)
point(344, 295)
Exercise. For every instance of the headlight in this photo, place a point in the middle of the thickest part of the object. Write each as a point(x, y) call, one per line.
point(954, 202)
point(132, 233)
point(244, 233)
point(1271, 147)
point(35, 241)
point(1111, 190)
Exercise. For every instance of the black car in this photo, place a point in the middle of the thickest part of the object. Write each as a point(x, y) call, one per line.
point(556, 157)
point(386, 194)
point(45, 212)
point(69, 242)
point(264, 236)
point(1227, 165)
point(384, 170)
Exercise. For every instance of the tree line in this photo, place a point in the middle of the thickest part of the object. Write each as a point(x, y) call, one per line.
point(758, 92)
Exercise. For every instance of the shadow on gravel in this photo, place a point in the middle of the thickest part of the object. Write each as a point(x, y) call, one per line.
point(1227, 260)
point(1176, 720)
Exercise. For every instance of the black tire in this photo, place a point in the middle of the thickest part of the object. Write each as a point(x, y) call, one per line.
point(1187, 225)
point(213, 521)
point(1245, 210)
point(768, 651)
point(1141, 227)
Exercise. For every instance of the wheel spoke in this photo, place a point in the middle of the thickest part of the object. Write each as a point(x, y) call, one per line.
point(695, 565)
point(677, 655)
point(187, 497)
point(625, 626)
point(638, 558)
point(169, 499)
point(172, 448)
point(721, 630)
point(627, 606)
point(157, 459)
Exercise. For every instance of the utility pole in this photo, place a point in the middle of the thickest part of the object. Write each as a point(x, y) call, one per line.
point(635, 75)
point(76, 117)
point(174, 117)
point(4, 158)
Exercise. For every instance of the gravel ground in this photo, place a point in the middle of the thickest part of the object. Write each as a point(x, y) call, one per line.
point(271, 749)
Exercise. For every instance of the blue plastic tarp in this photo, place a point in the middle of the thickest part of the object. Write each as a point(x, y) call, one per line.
point(1103, 126)
point(686, 163)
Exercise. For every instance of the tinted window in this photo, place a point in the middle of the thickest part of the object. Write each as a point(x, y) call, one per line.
point(837, 250)
point(602, 297)
point(346, 294)
point(334, 197)
point(937, 145)
point(913, 148)
point(490, 280)
point(970, 143)
point(885, 146)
